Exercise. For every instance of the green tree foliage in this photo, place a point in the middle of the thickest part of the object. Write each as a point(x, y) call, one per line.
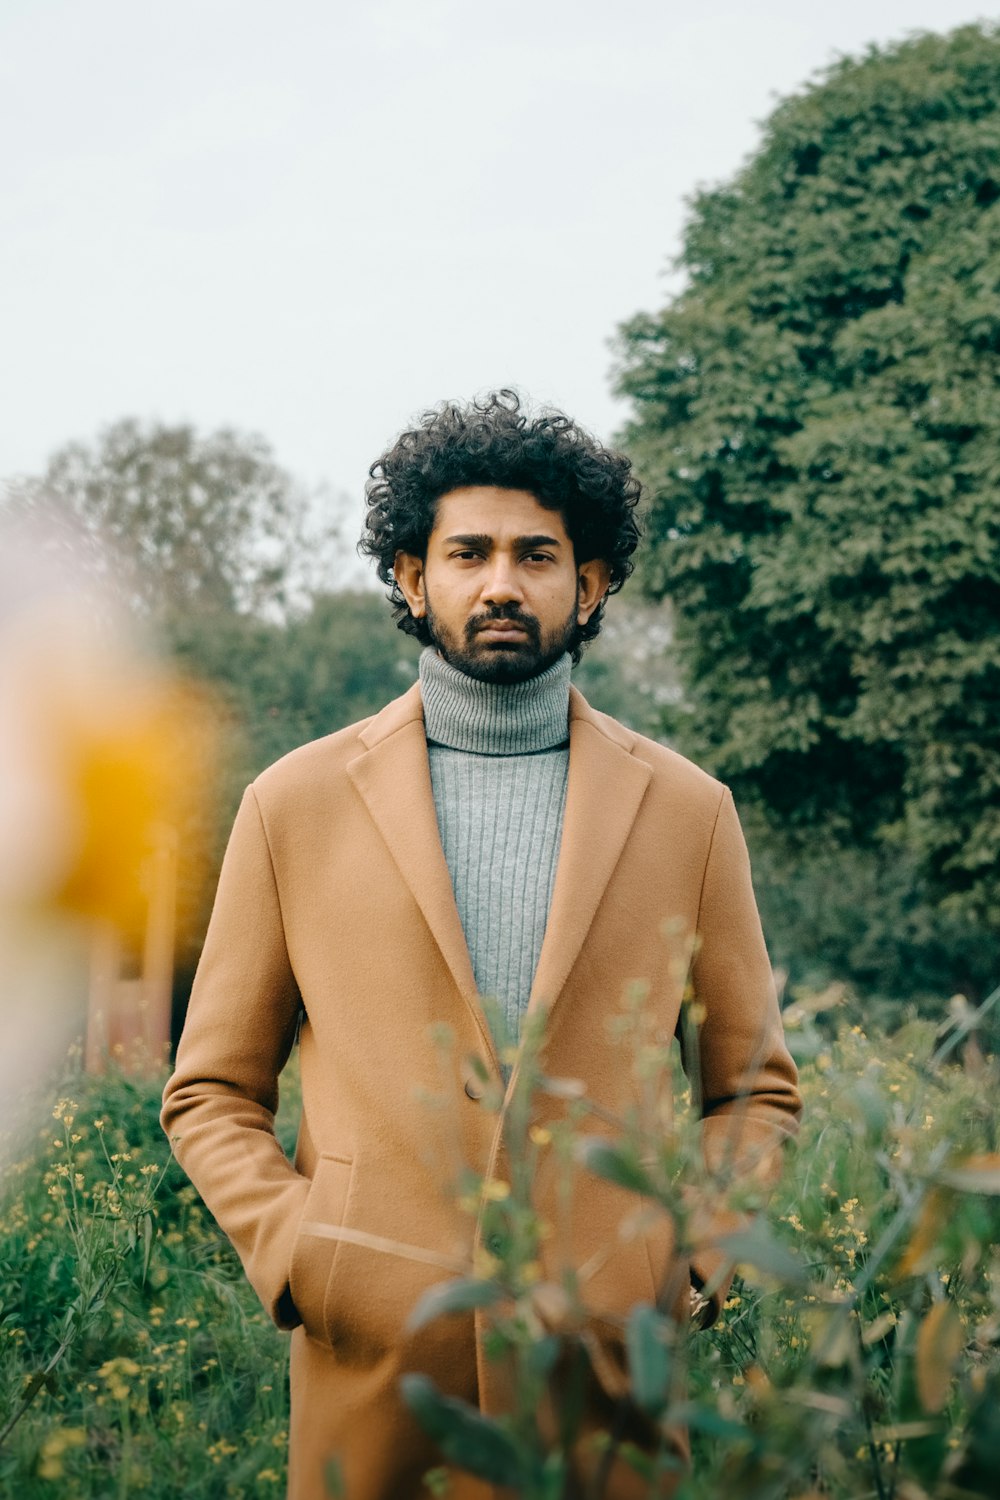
point(816, 414)
point(630, 671)
point(286, 682)
point(280, 683)
point(205, 522)
point(864, 917)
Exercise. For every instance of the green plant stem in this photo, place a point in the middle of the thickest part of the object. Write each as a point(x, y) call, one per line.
point(872, 1445)
point(873, 1455)
point(897, 1449)
point(125, 1457)
point(38, 1380)
point(962, 1030)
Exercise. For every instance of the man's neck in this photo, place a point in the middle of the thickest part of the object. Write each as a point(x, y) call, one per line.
point(494, 718)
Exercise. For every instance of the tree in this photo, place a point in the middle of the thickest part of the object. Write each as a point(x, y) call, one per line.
point(630, 671)
point(199, 521)
point(816, 415)
point(286, 682)
point(279, 683)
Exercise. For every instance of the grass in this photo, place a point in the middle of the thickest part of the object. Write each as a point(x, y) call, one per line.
point(874, 1372)
point(175, 1381)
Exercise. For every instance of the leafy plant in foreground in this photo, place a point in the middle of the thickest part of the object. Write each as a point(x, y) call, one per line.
point(857, 1353)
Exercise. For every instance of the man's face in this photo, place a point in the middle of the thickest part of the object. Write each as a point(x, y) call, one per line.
point(499, 588)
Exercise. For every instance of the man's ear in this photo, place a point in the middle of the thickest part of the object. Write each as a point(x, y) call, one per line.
point(408, 571)
point(593, 582)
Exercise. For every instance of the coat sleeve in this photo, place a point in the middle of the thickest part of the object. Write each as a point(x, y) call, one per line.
point(749, 1096)
point(219, 1105)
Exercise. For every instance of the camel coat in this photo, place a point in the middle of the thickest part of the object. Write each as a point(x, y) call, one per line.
point(335, 921)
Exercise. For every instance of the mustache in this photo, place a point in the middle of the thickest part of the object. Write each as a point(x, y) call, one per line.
point(512, 612)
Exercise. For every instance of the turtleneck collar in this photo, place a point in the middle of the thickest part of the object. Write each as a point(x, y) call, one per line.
point(494, 718)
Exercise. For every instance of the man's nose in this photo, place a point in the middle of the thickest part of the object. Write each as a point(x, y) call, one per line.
point(501, 585)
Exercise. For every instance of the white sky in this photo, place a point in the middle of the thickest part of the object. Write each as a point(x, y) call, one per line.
point(316, 219)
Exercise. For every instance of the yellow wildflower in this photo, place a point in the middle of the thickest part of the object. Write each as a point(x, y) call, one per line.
point(484, 1265)
point(50, 1464)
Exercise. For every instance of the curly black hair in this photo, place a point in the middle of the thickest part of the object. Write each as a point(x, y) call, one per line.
point(493, 442)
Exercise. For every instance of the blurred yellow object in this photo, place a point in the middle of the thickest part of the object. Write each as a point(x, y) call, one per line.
point(106, 773)
point(137, 783)
point(103, 756)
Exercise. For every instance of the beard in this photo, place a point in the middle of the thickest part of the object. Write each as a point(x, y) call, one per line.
point(502, 661)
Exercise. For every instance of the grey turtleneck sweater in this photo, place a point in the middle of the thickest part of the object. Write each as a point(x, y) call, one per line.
point(499, 757)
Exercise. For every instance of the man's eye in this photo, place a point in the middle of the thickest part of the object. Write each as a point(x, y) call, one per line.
point(538, 557)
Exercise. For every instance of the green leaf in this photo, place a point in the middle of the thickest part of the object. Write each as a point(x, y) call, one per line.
point(647, 1335)
point(479, 1067)
point(704, 1419)
point(333, 1476)
point(147, 1244)
point(758, 1247)
point(613, 1163)
point(475, 1443)
point(457, 1296)
point(552, 1479)
point(541, 1355)
point(982, 1459)
point(872, 1104)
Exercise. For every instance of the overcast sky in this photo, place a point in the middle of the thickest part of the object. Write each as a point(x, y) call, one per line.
point(315, 219)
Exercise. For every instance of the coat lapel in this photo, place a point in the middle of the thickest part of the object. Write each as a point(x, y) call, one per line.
point(606, 785)
point(393, 778)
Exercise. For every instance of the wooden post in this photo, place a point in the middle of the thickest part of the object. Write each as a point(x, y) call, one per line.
point(105, 971)
point(158, 951)
point(129, 1019)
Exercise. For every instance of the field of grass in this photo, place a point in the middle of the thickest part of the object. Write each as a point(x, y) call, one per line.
point(859, 1357)
point(174, 1380)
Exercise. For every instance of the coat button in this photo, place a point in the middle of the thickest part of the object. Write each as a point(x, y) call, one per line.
point(495, 1245)
point(474, 1086)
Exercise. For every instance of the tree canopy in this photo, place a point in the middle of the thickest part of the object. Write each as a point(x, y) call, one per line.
point(816, 415)
point(286, 682)
point(204, 521)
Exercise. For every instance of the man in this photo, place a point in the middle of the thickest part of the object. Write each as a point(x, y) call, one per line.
point(487, 834)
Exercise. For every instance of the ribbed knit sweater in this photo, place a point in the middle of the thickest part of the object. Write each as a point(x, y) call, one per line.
point(499, 758)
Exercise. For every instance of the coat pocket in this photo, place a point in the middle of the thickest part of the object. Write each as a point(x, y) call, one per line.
point(313, 1254)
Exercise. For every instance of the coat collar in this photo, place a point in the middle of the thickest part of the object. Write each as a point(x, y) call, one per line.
point(607, 781)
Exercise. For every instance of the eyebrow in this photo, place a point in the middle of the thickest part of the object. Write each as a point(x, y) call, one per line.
point(482, 540)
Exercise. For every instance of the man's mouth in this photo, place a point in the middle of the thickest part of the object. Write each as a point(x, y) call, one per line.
point(504, 631)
